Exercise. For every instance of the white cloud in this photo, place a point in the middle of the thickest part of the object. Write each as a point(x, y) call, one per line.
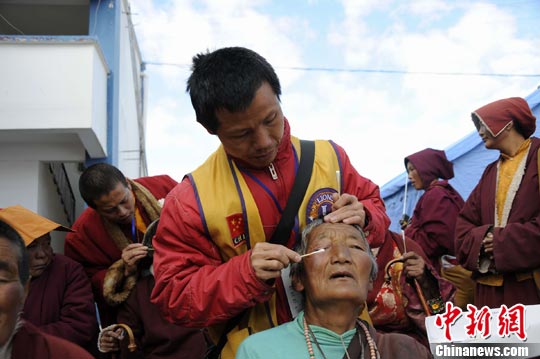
point(176, 143)
point(430, 10)
point(434, 110)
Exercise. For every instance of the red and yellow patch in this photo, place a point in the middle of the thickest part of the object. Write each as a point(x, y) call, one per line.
point(236, 228)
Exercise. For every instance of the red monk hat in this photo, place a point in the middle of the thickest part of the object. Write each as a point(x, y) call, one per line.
point(28, 224)
point(431, 164)
point(497, 115)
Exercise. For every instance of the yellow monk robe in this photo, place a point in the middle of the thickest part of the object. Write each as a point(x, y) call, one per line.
point(509, 178)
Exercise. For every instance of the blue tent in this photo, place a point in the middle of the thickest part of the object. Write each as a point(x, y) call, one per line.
point(470, 158)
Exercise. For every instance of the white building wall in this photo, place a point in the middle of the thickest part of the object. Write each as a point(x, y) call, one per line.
point(55, 86)
point(19, 181)
point(30, 184)
point(60, 103)
point(24, 148)
point(129, 147)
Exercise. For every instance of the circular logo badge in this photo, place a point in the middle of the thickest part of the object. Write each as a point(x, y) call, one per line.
point(320, 204)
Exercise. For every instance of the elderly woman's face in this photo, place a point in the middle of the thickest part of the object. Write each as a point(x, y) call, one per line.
point(11, 289)
point(40, 255)
point(341, 272)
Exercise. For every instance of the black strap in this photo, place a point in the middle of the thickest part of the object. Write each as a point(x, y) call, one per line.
point(298, 191)
point(283, 229)
point(215, 351)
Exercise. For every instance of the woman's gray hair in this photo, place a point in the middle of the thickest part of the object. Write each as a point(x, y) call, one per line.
point(297, 269)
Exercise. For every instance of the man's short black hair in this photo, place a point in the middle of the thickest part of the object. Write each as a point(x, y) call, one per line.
point(227, 78)
point(99, 180)
point(7, 232)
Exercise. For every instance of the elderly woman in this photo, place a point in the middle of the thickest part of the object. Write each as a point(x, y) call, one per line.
point(60, 300)
point(19, 338)
point(335, 281)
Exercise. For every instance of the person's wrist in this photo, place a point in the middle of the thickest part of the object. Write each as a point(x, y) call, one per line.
point(129, 270)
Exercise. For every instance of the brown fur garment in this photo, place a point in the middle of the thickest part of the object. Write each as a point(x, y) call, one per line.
point(117, 287)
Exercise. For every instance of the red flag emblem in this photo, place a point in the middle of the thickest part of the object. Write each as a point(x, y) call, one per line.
point(236, 227)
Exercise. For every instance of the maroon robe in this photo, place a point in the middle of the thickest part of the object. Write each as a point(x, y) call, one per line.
point(414, 323)
point(516, 247)
point(434, 218)
point(30, 342)
point(92, 246)
point(60, 302)
point(157, 337)
point(389, 346)
point(395, 345)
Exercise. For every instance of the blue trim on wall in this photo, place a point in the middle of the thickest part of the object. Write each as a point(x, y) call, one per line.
point(104, 24)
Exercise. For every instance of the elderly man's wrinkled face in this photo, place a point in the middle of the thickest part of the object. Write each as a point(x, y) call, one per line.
point(40, 255)
point(118, 206)
point(341, 272)
point(12, 293)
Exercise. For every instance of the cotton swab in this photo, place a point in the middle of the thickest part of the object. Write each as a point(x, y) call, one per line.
point(320, 250)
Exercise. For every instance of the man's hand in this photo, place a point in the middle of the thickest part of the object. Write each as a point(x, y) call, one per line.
point(414, 266)
point(347, 209)
point(131, 256)
point(488, 244)
point(268, 259)
point(404, 222)
point(109, 340)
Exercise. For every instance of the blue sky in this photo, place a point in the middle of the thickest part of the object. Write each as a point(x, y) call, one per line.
point(378, 117)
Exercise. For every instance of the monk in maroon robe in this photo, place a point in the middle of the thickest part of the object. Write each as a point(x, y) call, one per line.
point(114, 225)
point(433, 222)
point(30, 342)
point(154, 336)
point(20, 339)
point(498, 230)
point(394, 303)
point(59, 300)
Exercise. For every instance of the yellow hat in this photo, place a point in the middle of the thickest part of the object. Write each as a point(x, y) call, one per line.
point(28, 224)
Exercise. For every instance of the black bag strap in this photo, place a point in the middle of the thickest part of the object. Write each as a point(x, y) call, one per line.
point(284, 227)
point(298, 191)
point(215, 351)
